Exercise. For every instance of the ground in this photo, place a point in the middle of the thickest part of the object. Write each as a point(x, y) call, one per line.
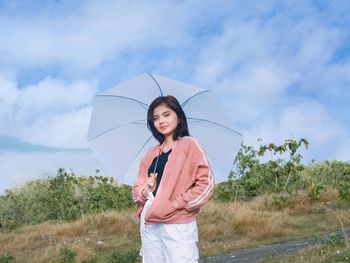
point(261, 253)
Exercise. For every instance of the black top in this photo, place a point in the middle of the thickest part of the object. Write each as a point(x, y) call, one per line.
point(163, 158)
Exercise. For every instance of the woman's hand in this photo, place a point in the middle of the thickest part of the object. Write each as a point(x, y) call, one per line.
point(151, 184)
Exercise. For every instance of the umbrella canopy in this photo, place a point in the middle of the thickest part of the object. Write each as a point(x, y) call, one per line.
point(118, 128)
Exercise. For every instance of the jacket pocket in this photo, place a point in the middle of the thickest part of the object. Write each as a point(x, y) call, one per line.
point(161, 210)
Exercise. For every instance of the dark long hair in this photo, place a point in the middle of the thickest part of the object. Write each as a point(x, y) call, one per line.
point(172, 103)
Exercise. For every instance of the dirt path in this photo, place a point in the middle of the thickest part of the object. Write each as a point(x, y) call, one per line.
point(272, 251)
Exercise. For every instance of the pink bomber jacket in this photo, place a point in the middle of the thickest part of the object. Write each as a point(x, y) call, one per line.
point(187, 178)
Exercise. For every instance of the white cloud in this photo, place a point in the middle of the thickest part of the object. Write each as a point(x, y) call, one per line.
point(66, 130)
point(305, 119)
point(277, 76)
point(52, 112)
point(18, 168)
point(256, 92)
point(95, 33)
point(54, 94)
point(311, 120)
point(8, 95)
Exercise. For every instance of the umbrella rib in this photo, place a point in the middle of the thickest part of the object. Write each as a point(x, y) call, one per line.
point(218, 124)
point(186, 101)
point(116, 127)
point(144, 105)
point(143, 146)
point(160, 89)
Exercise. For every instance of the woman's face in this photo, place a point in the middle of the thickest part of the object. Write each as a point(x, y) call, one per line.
point(165, 120)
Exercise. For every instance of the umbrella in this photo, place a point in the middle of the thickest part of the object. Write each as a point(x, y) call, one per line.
point(118, 128)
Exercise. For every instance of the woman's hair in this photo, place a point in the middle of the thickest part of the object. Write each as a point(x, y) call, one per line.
point(172, 103)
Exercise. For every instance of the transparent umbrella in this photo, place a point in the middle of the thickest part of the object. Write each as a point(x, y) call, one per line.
point(118, 129)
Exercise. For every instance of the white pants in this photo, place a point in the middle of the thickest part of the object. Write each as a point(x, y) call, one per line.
point(168, 243)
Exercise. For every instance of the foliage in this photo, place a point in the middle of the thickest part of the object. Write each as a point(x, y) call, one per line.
point(278, 170)
point(315, 190)
point(93, 260)
point(337, 242)
point(66, 255)
point(343, 256)
point(253, 177)
point(7, 258)
point(62, 197)
point(329, 174)
point(130, 256)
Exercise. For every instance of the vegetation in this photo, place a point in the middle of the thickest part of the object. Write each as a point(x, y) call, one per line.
point(271, 196)
point(63, 197)
point(333, 250)
point(282, 175)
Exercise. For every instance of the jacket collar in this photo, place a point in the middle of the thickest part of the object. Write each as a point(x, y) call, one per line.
point(174, 147)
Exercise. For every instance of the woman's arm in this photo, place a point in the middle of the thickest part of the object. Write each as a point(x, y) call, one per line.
point(203, 187)
point(138, 194)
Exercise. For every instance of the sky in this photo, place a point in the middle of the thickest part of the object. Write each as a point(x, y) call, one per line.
point(281, 69)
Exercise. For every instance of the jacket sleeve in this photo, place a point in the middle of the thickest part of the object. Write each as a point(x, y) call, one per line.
point(140, 184)
point(203, 186)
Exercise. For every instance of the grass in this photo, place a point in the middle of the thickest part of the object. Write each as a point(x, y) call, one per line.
point(333, 250)
point(223, 227)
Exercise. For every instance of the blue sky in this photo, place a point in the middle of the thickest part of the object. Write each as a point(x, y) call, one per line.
point(280, 68)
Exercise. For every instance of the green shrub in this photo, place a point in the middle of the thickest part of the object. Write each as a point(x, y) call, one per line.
point(93, 260)
point(66, 255)
point(130, 256)
point(341, 257)
point(62, 197)
point(330, 174)
point(281, 201)
point(7, 258)
point(314, 191)
point(252, 177)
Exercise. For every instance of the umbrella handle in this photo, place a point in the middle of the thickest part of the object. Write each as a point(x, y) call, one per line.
point(155, 166)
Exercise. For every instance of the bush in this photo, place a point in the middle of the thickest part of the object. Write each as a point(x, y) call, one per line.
point(62, 197)
point(253, 177)
point(7, 258)
point(130, 256)
point(329, 174)
point(282, 177)
point(66, 255)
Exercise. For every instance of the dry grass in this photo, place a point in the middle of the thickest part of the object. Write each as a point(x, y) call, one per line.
point(85, 236)
point(229, 226)
point(316, 254)
point(223, 227)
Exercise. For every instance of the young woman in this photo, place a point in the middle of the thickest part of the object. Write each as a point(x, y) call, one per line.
point(173, 182)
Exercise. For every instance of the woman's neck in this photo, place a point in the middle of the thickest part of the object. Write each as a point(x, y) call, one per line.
point(168, 141)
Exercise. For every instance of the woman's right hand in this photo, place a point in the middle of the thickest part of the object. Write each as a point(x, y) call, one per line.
point(151, 183)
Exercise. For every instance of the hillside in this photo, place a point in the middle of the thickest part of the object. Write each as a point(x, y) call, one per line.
point(224, 227)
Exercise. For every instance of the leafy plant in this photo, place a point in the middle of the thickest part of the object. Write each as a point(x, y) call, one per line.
point(66, 255)
point(252, 177)
point(62, 197)
point(281, 201)
point(92, 260)
point(130, 256)
point(7, 258)
point(315, 190)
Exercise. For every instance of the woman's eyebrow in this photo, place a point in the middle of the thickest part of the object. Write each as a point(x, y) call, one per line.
point(164, 112)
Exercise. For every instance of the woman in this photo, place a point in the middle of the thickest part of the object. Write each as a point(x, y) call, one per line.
point(173, 182)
